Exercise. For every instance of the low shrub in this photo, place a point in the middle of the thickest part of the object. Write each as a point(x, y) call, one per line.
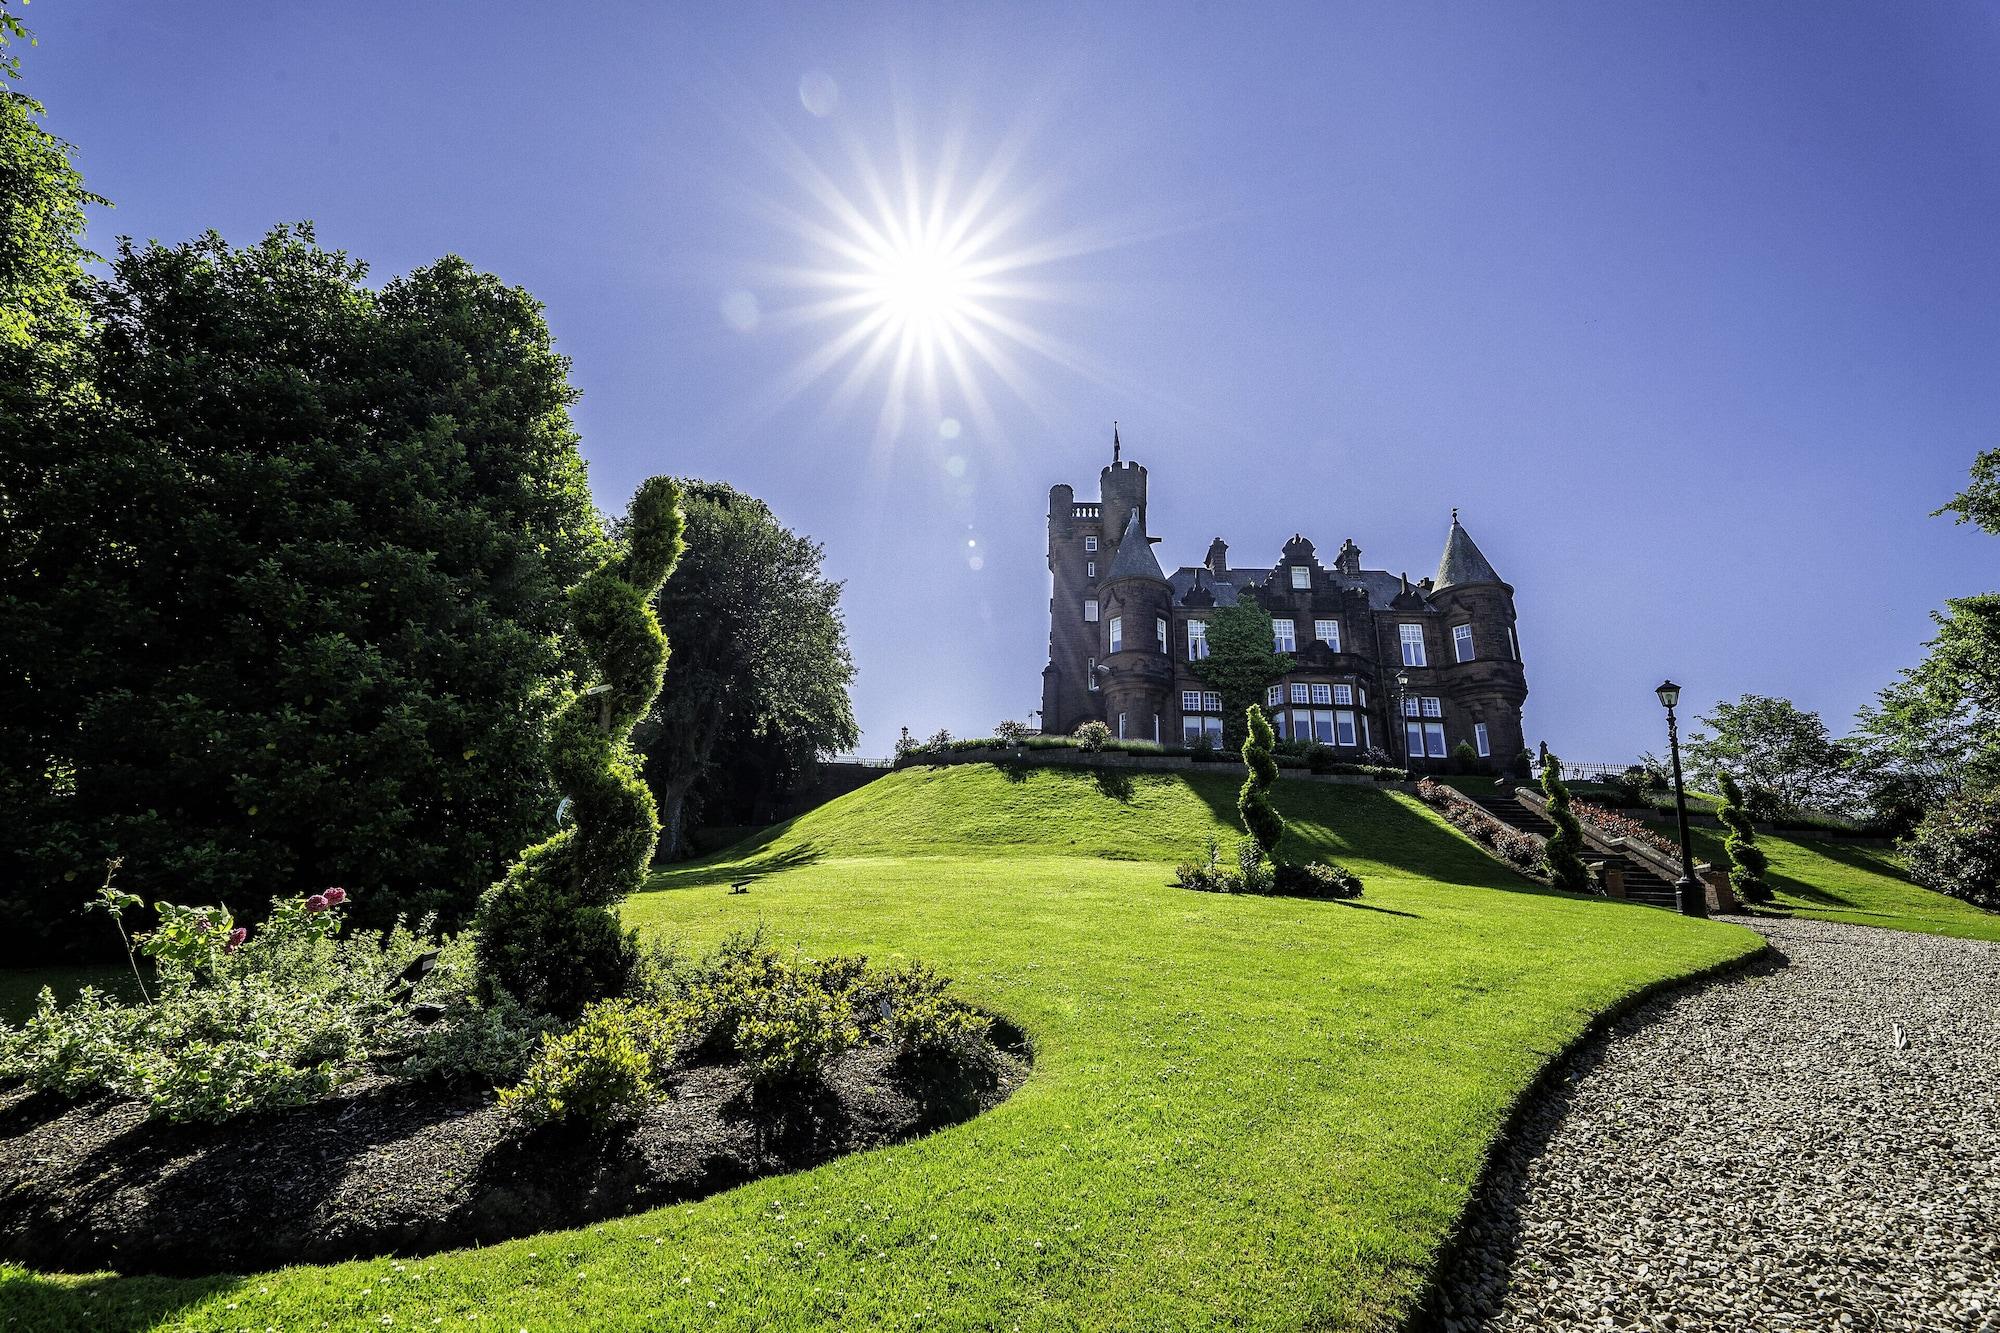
point(913, 1007)
point(1611, 824)
point(1956, 849)
point(1092, 736)
point(236, 1021)
point(606, 1068)
point(1317, 879)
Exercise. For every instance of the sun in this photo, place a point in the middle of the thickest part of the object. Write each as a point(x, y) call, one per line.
point(920, 285)
point(930, 284)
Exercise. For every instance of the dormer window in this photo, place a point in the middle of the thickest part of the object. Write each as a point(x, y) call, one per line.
point(1302, 576)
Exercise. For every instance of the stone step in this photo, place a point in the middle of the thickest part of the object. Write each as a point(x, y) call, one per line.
point(1642, 883)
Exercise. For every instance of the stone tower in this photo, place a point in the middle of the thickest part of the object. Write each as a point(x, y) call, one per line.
point(1490, 685)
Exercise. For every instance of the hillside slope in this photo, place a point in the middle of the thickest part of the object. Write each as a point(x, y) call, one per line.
point(1244, 1112)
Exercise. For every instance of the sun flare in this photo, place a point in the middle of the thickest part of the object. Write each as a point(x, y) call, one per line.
point(929, 284)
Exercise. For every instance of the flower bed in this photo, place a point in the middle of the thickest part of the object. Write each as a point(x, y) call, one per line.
point(1523, 851)
point(1610, 824)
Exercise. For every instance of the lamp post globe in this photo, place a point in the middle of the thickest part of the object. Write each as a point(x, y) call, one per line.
point(1689, 895)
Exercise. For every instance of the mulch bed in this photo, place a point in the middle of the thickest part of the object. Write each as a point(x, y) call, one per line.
point(394, 1168)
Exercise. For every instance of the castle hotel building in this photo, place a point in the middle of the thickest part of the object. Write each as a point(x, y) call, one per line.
point(1412, 669)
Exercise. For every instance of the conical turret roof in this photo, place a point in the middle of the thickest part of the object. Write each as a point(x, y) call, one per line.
point(1463, 563)
point(1135, 558)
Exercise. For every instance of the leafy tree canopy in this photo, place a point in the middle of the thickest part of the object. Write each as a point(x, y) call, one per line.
point(760, 659)
point(1979, 502)
point(283, 605)
point(1936, 730)
point(1241, 662)
point(1782, 754)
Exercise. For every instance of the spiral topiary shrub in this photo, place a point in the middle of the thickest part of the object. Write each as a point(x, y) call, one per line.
point(549, 935)
point(1563, 852)
point(1746, 859)
point(1260, 819)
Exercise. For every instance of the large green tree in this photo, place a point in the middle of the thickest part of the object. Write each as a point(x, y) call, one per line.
point(1242, 661)
point(285, 604)
point(1979, 502)
point(759, 652)
point(1783, 755)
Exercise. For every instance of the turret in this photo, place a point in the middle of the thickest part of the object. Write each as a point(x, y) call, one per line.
point(1482, 654)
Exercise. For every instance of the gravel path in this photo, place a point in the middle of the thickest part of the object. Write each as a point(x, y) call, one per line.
point(1816, 1146)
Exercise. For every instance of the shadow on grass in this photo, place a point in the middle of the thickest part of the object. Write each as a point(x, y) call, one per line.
point(735, 871)
point(1114, 783)
point(1368, 907)
point(106, 1304)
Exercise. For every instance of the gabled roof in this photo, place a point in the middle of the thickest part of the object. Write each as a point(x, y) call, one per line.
point(1462, 561)
point(1381, 586)
point(1135, 558)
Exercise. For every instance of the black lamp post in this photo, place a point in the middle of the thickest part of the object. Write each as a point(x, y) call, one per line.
point(1688, 893)
point(1403, 723)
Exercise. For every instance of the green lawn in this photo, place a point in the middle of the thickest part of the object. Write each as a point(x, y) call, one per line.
point(1247, 1113)
point(1835, 879)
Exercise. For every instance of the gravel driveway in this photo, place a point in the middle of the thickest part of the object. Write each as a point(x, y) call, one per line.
point(1815, 1146)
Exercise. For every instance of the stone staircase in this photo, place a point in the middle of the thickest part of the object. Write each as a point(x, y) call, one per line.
point(1642, 884)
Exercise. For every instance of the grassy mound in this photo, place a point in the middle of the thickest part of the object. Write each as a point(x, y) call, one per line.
point(1245, 1112)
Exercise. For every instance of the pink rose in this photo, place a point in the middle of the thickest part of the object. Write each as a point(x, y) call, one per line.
point(236, 938)
point(335, 897)
point(316, 903)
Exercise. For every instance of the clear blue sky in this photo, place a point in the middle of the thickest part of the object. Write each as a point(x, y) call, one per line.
point(1694, 310)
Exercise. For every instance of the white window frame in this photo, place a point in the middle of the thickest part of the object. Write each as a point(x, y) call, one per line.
point(1328, 633)
point(1114, 633)
point(1413, 740)
point(1284, 636)
point(1302, 576)
point(1343, 727)
point(1343, 695)
point(1160, 631)
point(1480, 741)
point(1513, 643)
point(1090, 569)
point(1090, 610)
point(1090, 674)
point(1274, 696)
point(1121, 726)
point(1190, 701)
point(1322, 694)
point(1298, 693)
point(1090, 543)
point(1197, 636)
point(1412, 637)
point(1412, 706)
point(1211, 701)
point(1433, 706)
point(1434, 740)
point(1461, 642)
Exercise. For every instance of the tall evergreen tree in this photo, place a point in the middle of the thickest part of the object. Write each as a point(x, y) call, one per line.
point(1747, 861)
point(1562, 853)
point(1260, 818)
point(549, 934)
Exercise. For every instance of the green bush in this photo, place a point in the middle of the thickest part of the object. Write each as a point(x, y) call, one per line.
point(236, 1021)
point(1317, 879)
point(1092, 737)
point(1956, 849)
point(1562, 853)
point(785, 1017)
point(606, 1068)
point(1747, 861)
point(548, 932)
point(913, 1007)
point(1261, 819)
